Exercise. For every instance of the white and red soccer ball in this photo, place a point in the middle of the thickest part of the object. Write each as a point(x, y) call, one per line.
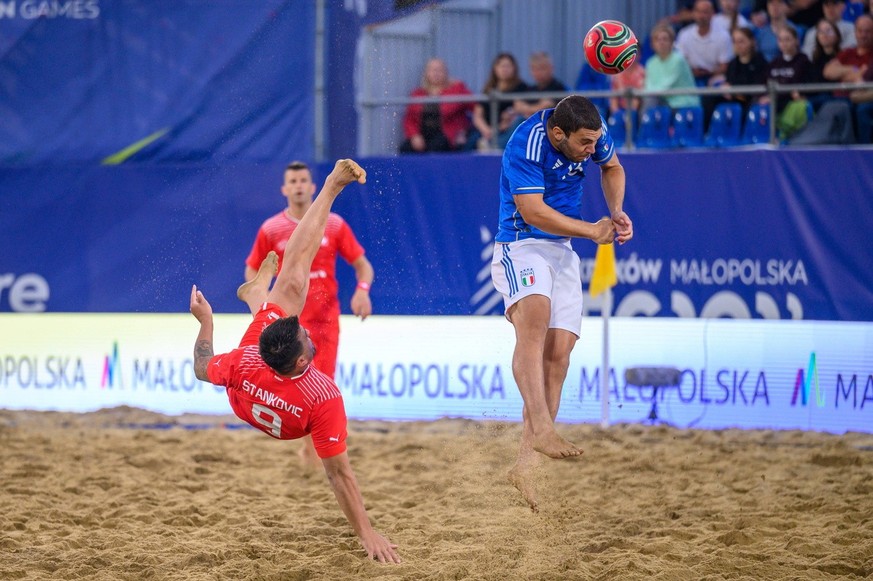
point(610, 47)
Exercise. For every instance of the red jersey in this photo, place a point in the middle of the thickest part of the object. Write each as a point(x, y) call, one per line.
point(286, 408)
point(454, 117)
point(322, 303)
point(849, 57)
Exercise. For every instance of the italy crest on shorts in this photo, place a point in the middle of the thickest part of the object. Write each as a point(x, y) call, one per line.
point(527, 277)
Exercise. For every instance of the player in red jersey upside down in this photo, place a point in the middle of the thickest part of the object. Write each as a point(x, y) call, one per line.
point(270, 381)
point(321, 313)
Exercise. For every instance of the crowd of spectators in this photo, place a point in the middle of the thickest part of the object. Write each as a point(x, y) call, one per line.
point(704, 43)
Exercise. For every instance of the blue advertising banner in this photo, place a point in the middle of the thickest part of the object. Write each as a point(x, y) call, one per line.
point(188, 80)
point(740, 234)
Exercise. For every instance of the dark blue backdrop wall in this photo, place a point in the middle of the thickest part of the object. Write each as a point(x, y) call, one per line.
point(156, 81)
point(187, 80)
point(775, 234)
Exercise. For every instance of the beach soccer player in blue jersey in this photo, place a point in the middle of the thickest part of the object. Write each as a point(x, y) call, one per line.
point(535, 267)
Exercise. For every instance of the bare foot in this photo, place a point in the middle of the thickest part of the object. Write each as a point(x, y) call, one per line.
point(257, 288)
point(347, 171)
point(554, 446)
point(522, 478)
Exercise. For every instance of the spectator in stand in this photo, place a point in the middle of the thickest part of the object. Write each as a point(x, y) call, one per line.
point(856, 65)
point(863, 103)
point(504, 78)
point(634, 77)
point(851, 63)
point(706, 49)
point(803, 14)
point(542, 71)
point(833, 13)
point(790, 67)
point(591, 80)
point(758, 15)
point(729, 17)
point(766, 35)
point(748, 67)
point(683, 16)
point(828, 41)
point(832, 123)
point(436, 126)
point(668, 69)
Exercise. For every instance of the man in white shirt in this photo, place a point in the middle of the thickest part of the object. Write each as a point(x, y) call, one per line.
point(707, 49)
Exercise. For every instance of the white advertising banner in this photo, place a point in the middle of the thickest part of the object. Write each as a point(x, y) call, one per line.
point(734, 373)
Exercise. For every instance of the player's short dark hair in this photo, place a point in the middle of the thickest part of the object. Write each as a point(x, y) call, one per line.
point(574, 113)
point(297, 165)
point(280, 345)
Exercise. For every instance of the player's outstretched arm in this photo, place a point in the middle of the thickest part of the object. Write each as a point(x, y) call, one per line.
point(348, 495)
point(540, 215)
point(361, 304)
point(612, 181)
point(203, 351)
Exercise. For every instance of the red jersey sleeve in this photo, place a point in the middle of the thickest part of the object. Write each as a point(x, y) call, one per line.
point(328, 428)
point(347, 245)
point(221, 367)
point(260, 249)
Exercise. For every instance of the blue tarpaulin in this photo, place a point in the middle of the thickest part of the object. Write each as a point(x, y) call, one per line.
point(760, 234)
point(156, 81)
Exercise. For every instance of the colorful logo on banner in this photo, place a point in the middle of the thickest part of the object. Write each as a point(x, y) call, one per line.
point(803, 384)
point(111, 369)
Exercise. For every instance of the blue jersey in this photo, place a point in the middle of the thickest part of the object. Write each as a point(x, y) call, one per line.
point(532, 166)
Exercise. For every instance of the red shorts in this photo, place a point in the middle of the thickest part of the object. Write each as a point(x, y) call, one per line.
point(325, 336)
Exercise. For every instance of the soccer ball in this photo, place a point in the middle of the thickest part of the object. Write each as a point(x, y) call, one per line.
point(610, 47)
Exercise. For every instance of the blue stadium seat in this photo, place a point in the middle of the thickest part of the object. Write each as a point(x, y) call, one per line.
point(617, 125)
point(655, 128)
point(725, 126)
point(853, 11)
point(688, 127)
point(757, 126)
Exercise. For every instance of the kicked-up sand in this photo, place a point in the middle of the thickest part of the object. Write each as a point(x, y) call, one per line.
point(127, 494)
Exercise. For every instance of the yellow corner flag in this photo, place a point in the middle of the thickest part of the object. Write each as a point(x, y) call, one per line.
point(604, 275)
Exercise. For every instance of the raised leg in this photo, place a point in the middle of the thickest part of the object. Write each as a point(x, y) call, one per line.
point(254, 292)
point(289, 291)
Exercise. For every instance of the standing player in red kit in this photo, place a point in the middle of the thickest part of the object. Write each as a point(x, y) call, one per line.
point(321, 313)
point(270, 379)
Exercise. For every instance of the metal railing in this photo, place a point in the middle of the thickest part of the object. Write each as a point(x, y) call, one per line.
point(493, 100)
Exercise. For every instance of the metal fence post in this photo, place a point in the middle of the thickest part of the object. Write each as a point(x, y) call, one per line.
point(493, 118)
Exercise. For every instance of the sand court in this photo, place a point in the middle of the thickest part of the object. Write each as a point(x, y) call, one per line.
point(128, 494)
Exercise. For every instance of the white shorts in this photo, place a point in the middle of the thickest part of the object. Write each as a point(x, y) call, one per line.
point(541, 267)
